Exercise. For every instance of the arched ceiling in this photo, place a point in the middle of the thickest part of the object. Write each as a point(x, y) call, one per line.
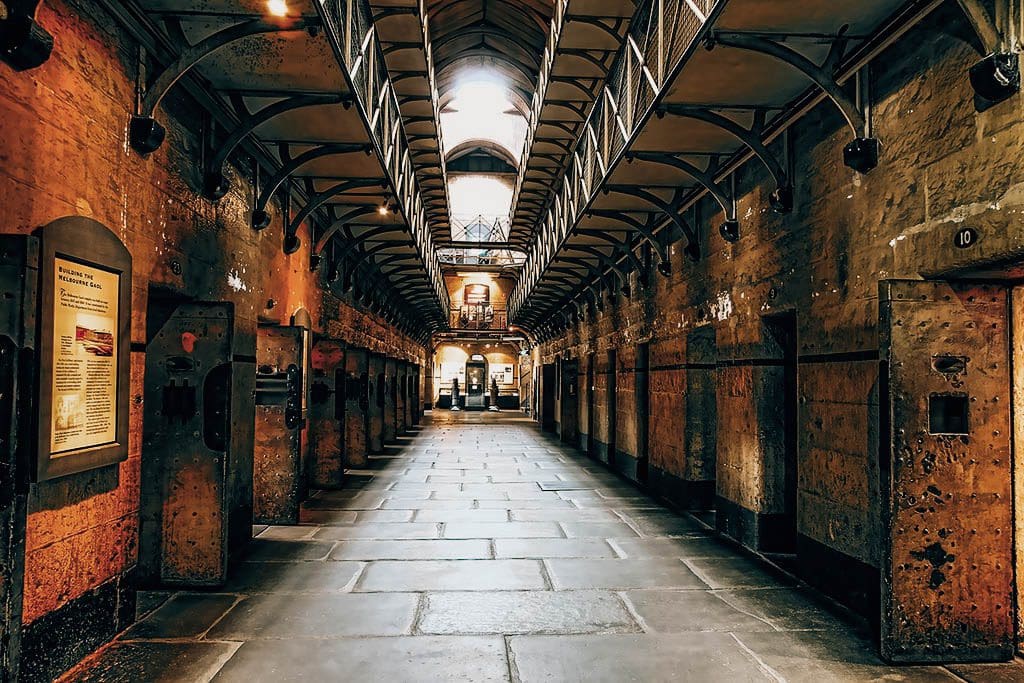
point(507, 36)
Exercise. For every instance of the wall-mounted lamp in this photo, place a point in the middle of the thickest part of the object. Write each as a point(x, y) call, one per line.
point(730, 231)
point(862, 154)
point(24, 44)
point(996, 77)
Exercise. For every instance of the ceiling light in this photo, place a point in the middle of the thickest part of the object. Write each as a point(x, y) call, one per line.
point(278, 8)
point(383, 210)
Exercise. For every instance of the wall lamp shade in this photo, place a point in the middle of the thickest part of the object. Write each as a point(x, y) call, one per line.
point(24, 44)
point(260, 219)
point(996, 77)
point(862, 154)
point(215, 184)
point(291, 244)
point(145, 134)
point(730, 230)
point(781, 200)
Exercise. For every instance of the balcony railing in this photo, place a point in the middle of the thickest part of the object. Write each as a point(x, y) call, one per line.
point(661, 35)
point(350, 26)
point(480, 317)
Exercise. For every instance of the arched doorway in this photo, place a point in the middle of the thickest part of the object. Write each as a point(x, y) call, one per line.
point(476, 382)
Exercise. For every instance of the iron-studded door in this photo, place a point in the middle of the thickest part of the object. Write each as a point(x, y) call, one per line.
point(18, 280)
point(278, 478)
point(401, 419)
point(947, 561)
point(642, 397)
point(327, 414)
point(185, 492)
point(357, 406)
point(569, 408)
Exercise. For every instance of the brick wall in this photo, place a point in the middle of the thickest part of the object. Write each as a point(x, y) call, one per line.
point(64, 151)
point(942, 163)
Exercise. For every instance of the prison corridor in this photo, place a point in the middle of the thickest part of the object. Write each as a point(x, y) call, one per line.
point(478, 548)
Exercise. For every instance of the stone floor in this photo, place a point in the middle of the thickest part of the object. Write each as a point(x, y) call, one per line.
point(479, 549)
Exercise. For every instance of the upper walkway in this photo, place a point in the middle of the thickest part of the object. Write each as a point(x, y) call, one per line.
point(480, 549)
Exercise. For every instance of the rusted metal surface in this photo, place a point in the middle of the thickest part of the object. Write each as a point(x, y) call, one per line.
point(401, 397)
point(278, 478)
point(375, 409)
point(357, 405)
point(186, 469)
point(390, 396)
point(947, 560)
point(327, 414)
point(18, 277)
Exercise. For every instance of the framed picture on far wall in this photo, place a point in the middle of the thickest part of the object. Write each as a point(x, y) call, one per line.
point(85, 277)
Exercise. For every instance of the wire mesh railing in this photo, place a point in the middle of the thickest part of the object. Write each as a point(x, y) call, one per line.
point(351, 25)
point(660, 35)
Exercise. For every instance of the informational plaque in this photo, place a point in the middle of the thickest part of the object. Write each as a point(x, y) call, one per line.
point(84, 355)
point(84, 385)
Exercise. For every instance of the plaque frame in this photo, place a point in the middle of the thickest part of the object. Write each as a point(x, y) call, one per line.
point(86, 241)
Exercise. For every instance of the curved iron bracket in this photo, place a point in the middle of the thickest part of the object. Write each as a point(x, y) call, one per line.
point(145, 134)
point(621, 247)
point(606, 261)
point(781, 200)
point(664, 259)
point(318, 200)
point(365, 254)
point(260, 215)
point(670, 211)
point(339, 223)
point(24, 44)
point(862, 154)
point(216, 184)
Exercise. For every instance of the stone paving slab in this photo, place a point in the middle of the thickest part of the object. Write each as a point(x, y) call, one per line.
point(458, 549)
point(700, 657)
point(317, 616)
point(420, 658)
point(693, 548)
point(262, 550)
point(502, 530)
point(597, 530)
point(156, 662)
point(473, 516)
point(552, 547)
point(185, 615)
point(525, 612)
point(410, 530)
point(619, 574)
point(815, 656)
point(452, 575)
point(292, 577)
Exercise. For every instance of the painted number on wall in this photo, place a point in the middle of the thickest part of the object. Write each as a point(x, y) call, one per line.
point(965, 237)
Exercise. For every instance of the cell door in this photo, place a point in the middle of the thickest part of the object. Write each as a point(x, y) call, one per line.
point(279, 478)
point(946, 472)
point(548, 382)
point(591, 422)
point(187, 491)
point(642, 396)
point(18, 277)
point(327, 414)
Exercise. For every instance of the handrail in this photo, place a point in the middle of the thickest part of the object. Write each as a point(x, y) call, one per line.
point(349, 25)
point(661, 34)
